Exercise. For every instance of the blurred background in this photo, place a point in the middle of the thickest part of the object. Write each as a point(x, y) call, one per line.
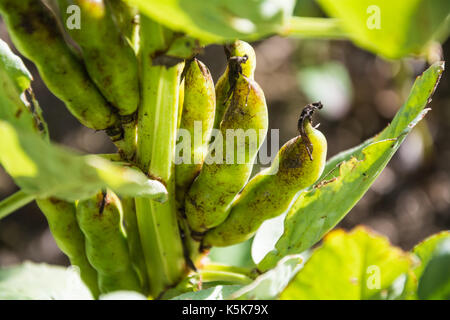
point(361, 93)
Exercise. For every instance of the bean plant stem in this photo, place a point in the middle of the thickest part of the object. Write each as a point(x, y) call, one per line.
point(14, 202)
point(248, 272)
point(303, 27)
point(226, 276)
point(157, 125)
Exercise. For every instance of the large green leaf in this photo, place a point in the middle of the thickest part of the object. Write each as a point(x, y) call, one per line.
point(16, 107)
point(269, 285)
point(238, 255)
point(266, 237)
point(356, 265)
point(31, 281)
point(392, 28)
point(433, 272)
point(320, 208)
point(219, 20)
point(45, 170)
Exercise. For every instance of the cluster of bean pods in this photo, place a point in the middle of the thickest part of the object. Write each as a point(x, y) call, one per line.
point(98, 79)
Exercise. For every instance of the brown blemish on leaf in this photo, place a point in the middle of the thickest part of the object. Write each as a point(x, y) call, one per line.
point(325, 182)
point(18, 113)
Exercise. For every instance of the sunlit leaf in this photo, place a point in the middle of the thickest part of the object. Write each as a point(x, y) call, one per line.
point(431, 277)
point(14, 67)
point(349, 175)
point(123, 295)
point(45, 170)
point(270, 285)
point(219, 20)
point(392, 28)
point(434, 282)
point(214, 293)
point(31, 281)
point(237, 255)
point(16, 107)
point(356, 265)
point(266, 237)
point(424, 250)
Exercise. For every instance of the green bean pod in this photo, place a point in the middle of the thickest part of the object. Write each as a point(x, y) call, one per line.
point(228, 165)
point(241, 59)
point(196, 122)
point(298, 164)
point(34, 32)
point(110, 60)
point(62, 221)
point(100, 219)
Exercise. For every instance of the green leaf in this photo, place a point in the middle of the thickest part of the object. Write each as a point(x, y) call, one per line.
point(434, 283)
point(356, 265)
point(424, 250)
point(320, 208)
point(266, 237)
point(45, 170)
point(31, 281)
point(14, 68)
point(213, 293)
point(269, 285)
point(433, 271)
point(237, 255)
point(218, 21)
point(406, 288)
point(392, 28)
point(16, 107)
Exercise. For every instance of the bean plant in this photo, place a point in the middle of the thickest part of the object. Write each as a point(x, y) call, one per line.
point(143, 222)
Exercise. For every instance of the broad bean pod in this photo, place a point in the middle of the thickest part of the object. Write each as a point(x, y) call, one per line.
point(241, 60)
point(110, 60)
point(62, 221)
point(100, 218)
point(16, 96)
point(34, 32)
point(298, 164)
point(197, 122)
point(228, 166)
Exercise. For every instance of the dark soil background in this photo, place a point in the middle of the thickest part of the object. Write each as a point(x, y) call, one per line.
point(409, 201)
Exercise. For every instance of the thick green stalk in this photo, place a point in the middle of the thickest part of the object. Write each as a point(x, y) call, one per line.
point(304, 27)
point(226, 276)
point(157, 125)
point(14, 202)
point(251, 273)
